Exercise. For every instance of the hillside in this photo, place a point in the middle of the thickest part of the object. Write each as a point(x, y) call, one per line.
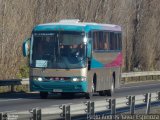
point(140, 20)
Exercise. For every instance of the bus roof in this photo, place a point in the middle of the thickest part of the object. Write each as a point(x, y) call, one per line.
point(71, 25)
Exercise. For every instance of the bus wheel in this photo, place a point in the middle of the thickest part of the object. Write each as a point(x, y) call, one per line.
point(108, 92)
point(43, 95)
point(102, 93)
point(88, 95)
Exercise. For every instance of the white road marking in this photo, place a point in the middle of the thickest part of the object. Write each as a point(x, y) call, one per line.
point(5, 100)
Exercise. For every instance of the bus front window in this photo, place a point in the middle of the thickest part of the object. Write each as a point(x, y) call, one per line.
point(59, 50)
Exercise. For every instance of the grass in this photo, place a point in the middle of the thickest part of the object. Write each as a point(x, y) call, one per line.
point(23, 72)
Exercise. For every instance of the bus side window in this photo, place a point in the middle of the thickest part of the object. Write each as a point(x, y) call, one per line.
point(115, 41)
point(100, 40)
point(120, 41)
point(94, 41)
point(112, 41)
point(106, 41)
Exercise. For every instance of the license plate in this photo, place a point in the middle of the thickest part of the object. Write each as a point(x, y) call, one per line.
point(57, 90)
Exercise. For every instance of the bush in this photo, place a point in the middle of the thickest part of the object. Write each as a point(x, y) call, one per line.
point(23, 72)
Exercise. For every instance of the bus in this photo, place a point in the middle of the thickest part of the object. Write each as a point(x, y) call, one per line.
point(70, 57)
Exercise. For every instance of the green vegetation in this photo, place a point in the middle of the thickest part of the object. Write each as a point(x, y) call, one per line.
point(23, 72)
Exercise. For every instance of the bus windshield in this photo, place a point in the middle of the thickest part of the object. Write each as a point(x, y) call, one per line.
point(59, 50)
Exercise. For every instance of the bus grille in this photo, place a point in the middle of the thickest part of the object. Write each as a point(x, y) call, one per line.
point(65, 87)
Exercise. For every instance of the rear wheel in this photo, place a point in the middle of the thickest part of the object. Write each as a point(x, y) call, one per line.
point(105, 93)
point(43, 95)
point(108, 92)
point(102, 93)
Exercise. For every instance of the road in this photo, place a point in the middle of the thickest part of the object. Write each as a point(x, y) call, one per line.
point(26, 101)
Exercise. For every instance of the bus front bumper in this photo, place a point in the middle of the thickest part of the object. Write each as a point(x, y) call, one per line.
point(58, 86)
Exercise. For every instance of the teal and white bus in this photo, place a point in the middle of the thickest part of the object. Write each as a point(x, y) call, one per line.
point(71, 57)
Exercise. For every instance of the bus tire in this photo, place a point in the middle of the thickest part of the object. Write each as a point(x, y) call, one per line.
point(88, 95)
point(43, 95)
point(102, 93)
point(108, 92)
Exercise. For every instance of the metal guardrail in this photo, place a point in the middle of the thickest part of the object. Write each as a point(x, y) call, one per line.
point(137, 74)
point(11, 83)
point(25, 81)
point(140, 76)
point(14, 82)
point(90, 109)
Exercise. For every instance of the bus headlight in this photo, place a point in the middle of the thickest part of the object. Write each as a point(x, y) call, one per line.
point(83, 79)
point(78, 79)
point(38, 78)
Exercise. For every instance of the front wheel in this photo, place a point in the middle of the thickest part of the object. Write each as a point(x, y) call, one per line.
point(88, 95)
point(105, 93)
point(108, 93)
point(43, 95)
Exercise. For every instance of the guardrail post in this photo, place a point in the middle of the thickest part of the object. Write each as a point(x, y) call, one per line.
point(39, 114)
point(12, 88)
point(1, 116)
point(148, 98)
point(68, 115)
point(112, 106)
point(158, 96)
point(36, 112)
point(65, 112)
point(90, 109)
point(132, 104)
point(112, 87)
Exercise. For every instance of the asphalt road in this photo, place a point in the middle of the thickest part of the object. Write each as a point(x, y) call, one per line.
point(26, 101)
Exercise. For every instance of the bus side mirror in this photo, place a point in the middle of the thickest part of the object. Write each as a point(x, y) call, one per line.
point(89, 49)
point(26, 47)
